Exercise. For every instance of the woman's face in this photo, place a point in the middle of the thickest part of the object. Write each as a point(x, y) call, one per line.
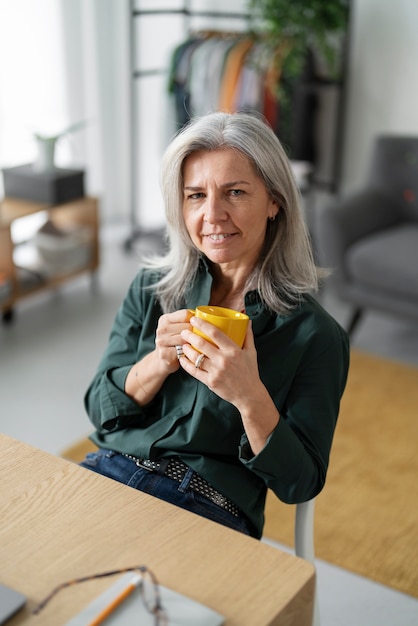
point(225, 207)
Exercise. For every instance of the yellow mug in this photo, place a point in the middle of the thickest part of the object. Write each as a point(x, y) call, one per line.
point(232, 323)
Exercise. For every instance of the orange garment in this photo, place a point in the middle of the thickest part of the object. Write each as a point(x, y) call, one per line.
point(233, 65)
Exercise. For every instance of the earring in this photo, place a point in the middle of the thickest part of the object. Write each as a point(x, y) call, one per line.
point(272, 218)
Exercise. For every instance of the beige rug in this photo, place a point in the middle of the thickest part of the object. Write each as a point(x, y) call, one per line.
point(366, 518)
point(78, 451)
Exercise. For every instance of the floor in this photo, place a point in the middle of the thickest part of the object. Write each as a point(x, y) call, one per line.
point(49, 354)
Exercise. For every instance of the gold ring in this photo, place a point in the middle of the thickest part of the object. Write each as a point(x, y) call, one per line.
point(199, 361)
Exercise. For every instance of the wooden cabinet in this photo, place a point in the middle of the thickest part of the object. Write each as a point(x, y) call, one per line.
point(76, 218)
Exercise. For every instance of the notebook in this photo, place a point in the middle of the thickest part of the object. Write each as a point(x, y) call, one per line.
point(10, 602)
point(181, 611)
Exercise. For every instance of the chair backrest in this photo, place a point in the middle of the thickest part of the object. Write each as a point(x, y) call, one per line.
point(304, 530)
point(394, 172)
point(304, 542)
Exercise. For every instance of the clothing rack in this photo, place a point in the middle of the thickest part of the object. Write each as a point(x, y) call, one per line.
point(188, 13)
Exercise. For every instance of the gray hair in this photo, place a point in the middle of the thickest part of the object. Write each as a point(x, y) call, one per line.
point(286, 268)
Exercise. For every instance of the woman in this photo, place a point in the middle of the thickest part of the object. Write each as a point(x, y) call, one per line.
point(211, 434)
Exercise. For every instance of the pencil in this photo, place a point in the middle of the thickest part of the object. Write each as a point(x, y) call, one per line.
point(116, 602)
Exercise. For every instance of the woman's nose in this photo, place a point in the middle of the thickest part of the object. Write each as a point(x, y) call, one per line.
point(214, 210)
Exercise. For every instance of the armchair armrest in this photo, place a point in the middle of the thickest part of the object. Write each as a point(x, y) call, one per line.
point(349, 219)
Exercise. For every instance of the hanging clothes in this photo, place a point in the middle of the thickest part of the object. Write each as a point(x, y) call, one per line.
point(178, 79)
point(233, 67)
point(217, 72)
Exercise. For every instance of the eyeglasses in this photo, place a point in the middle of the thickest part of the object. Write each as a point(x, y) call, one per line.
point(149, 588)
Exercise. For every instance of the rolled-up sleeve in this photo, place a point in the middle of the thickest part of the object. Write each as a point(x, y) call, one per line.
point(294, 460)
point(106, 402)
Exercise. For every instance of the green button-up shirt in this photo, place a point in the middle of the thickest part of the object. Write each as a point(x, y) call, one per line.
point(303, 362)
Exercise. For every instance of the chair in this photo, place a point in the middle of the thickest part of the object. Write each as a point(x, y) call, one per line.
point(304, 543)
point(369, 239)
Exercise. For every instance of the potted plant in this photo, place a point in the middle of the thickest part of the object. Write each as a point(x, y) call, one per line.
point(46, 144)
point(304, 46)
point(292, 28)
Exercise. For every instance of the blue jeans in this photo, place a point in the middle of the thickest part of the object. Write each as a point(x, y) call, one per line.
point(115, 465)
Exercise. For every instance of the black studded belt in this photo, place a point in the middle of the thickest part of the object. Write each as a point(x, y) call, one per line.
point(176, 469)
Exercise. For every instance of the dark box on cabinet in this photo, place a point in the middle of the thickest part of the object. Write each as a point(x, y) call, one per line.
point(52, 187)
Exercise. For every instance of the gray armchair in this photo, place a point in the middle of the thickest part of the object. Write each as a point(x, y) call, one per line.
point(369, 239)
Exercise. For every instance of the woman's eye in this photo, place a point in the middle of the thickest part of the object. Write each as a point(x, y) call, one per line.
point(195, 196)
point(236, 192)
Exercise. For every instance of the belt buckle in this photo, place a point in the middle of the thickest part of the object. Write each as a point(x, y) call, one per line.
point(151, 466)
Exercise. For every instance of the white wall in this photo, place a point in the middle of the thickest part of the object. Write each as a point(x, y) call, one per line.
point(62, 62)
point(32, 90)
point(383, 79)
point(96, 51)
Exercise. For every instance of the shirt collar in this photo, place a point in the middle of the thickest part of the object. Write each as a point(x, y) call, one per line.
point(199, 294)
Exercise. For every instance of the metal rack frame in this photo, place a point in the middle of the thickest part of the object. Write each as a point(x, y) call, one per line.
point(136, 74)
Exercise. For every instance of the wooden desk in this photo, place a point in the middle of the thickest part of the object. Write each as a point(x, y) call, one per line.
point(59, 521)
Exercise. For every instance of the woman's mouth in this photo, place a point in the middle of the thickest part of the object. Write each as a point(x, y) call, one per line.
point(220, 237)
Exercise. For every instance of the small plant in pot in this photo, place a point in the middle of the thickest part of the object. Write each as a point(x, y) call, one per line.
point(290, 28)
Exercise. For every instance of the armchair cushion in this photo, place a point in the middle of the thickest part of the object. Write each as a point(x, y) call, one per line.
point(387, 260)
point(351, 219)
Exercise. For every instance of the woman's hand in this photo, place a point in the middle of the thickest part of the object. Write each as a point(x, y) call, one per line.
point(226, 368)
point(231, 373)
point(146, 377)
point(168, 336)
